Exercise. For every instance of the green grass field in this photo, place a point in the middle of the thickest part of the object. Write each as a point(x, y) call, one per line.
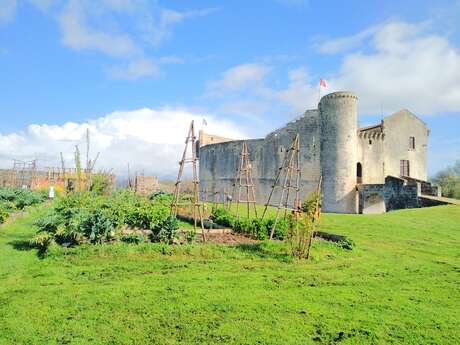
point(399, 285)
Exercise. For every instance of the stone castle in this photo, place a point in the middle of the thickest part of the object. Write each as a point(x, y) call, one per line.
point(364, 170)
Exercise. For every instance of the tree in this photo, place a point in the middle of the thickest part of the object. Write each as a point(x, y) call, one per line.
point(449, 181)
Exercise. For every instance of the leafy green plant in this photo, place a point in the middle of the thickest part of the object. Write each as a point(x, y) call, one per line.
point(302, 226)
point(253, 227)
point(223, 217)
point(49, 222)
point(42, 241)
point(348, 244)
point(4, 214)
point(190, 236)
point(134, 238)
point(97, 227)
point(88, 217)
point(101, 183)
point(166, 231)
point(21, 198)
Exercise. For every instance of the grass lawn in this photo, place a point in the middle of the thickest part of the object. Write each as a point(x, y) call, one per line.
point(399, 285)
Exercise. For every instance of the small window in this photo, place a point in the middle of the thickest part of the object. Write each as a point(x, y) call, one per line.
point(370, 142)
point(404, 168)
point(411, 143)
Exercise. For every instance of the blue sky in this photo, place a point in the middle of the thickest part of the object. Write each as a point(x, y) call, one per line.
point(135, 71)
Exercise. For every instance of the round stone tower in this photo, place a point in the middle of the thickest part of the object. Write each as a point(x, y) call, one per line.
point(339, 142)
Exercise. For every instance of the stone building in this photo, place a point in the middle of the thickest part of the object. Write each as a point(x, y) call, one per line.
point(363, 170)
point(146, 185)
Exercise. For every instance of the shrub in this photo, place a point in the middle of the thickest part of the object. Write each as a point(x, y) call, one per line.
point(101, 183)
point(4, 214)
point(255, 228)
point(161, 197)
point(223, 217)
point(134, 238)
point(166, 230)
point(21, 198)
point(89, 217)
point(97, 227)
point(302, 226)
point(346, 244)
point(49, 222)
point(449, 181)
point(190, 236)
point(281, 227)
point(42, 241)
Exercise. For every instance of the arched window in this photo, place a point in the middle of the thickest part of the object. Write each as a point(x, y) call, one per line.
point(359, 173)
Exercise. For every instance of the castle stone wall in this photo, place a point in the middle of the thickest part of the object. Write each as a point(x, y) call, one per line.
point(331, 146)
point(218, 162)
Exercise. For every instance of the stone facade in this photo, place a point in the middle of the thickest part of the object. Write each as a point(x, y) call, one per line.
point(146, 185)
point(332, 147)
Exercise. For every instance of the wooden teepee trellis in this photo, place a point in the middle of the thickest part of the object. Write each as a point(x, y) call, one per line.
point(289, 173)
point(245, 183)
point(195, 202)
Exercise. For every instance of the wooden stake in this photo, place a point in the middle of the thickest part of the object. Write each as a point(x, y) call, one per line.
point(195, 202)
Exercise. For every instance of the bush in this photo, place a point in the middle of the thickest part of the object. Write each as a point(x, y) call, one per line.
point(133, 238)
point(12, 199)
point(302, 226)
point(346, 244)
point(161, 196)
point(255, 228)
point(49, 222)
point(89, 217)
point(97, 227)
point(4, 214)
point(101, 183)
point(20, 198)
point(449, 181)
point(166, 231)
point(280, 230)
point(42, 241)
point(223, 217)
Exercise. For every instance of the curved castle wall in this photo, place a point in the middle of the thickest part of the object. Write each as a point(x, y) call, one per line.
point(338, 127)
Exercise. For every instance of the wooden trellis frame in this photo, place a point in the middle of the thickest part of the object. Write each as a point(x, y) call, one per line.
point(195, 202)
point(245, 183)
point(290, 173)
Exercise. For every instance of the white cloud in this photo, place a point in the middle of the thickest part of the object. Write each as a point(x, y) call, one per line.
point(136, 69)
point(238, 78)
point(247, 91)
point(7, 10)
point(159, 26)
point(389, 66)
point(406, 68)
point(121, 29)
point(299, 94)
point(150, 140)
point(343, 44)
point(77, 33)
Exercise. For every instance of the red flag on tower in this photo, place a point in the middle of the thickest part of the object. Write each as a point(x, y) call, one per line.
point(322, 83)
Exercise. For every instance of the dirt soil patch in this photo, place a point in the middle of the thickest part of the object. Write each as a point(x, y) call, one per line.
point(228, 238)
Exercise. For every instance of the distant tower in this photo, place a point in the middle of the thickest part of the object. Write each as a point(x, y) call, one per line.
point(339, 142)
